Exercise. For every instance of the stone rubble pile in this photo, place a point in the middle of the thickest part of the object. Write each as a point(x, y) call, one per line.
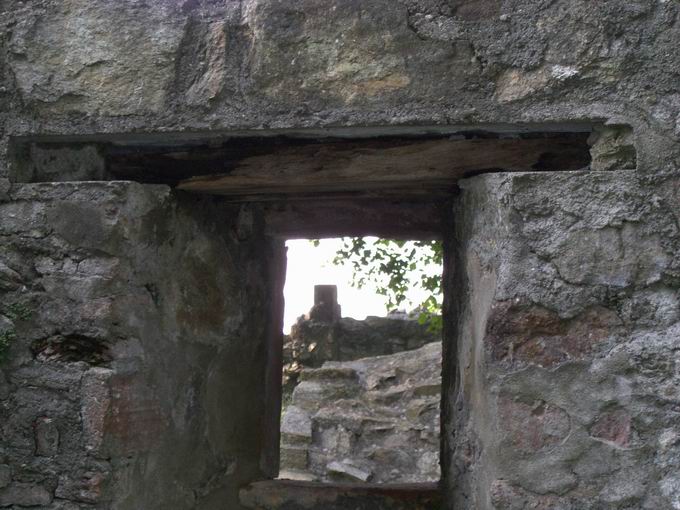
point(313, 341)
point(369, 420)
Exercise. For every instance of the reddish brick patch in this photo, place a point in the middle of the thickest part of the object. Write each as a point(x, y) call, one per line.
point(532, 427)
point(519, 333)
point(135, 421)
point(95, 407)
point(614, 427)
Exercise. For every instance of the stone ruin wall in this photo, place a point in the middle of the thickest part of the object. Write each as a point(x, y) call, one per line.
point(562, 391)
point(314, 341)
point(569, 358)
point(370, 420)
point(102, 405)
point(361, 399)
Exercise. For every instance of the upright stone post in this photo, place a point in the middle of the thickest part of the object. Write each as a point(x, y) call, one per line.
point(326, 307)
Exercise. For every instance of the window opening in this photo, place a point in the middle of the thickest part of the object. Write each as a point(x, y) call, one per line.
point(362, 362)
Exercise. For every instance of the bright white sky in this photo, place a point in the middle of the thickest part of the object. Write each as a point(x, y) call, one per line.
point(309, 265)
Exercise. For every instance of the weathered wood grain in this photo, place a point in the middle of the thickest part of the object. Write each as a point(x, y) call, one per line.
point(410, 165)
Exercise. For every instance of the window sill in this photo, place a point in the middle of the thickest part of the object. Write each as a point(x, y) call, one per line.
point(289, 495)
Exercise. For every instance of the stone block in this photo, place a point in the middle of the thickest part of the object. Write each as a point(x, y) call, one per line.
point(613, 148)
point(5, 475)
point(296, 426)
point(25, 494)
point(346, 471)
point(331, 373)
point(95, 407)
point(46, 437)
point(294, 457)
point(625, 486)
point(300, 476)
point(59, 377)
point(9, 278)
point(521, 333)
point(613, 426)
point(75, 62)
point(326, 307)
point(87, 487)
point(534, 426)
point(135, 422)
point(308, 394)
point(5, 186)
point(363, 52)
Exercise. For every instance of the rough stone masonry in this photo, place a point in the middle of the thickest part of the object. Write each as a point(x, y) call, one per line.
point(136, 369)
point(370, 420)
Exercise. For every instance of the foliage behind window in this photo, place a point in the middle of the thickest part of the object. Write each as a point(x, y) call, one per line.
point(394, 267)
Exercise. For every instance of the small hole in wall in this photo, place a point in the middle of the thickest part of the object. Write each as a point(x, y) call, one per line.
point(362, 361)
point(71, 348)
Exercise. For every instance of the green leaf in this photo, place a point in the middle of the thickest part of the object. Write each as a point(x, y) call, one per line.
point(395, 266)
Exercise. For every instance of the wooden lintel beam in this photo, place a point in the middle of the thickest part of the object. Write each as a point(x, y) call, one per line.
point(411, 166)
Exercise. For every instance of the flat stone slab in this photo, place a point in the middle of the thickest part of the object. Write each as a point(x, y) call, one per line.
point(346, 470)
point(297, 476)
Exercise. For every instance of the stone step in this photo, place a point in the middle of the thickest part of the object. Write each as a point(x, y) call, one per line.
point(308, 394)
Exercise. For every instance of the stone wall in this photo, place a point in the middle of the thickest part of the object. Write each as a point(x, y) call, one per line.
point(128, 314)
point(83, 67)
point(370, 420)
point(567, 283)
point(313, 342)
point(567, 390)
